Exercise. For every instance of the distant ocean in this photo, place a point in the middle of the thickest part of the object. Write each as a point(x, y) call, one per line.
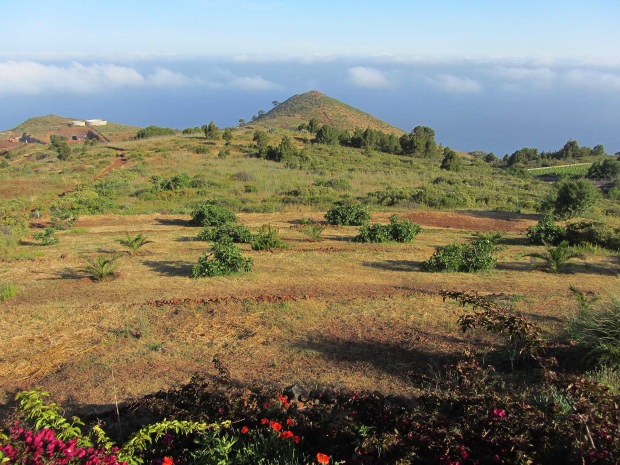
point(468, 105)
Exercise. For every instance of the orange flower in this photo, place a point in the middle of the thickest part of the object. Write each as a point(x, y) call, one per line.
point(168, 461)
point(322, 458)
point(245, 430)
point(275, 425)
point(285, 434)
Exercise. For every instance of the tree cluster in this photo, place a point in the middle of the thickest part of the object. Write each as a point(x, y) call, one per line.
point(571, 151)
point(420, 142)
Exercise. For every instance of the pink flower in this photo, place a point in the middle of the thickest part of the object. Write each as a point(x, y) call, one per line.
point(499, 413)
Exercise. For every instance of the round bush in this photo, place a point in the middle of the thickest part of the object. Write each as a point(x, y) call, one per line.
point(353, 214)
point(208, 214)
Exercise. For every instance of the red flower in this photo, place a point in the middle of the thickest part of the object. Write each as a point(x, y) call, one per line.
point(297, 439)
point(264, 421)
point(168, 461)
point(245, 430)
point(285, 434)
point(322, 458)
point(289, 422)
point(275, 425)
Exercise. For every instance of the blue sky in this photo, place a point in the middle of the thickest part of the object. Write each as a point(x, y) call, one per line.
point(536, 72)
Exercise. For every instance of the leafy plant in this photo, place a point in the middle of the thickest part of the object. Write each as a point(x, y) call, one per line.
point(348, 214)
point(225, 258)
point(546, 232)
point(468, 258)
point(134, 243)
point(46, 237)
point(208, 214)
point(397, 231)
point(63, 218)
point(557, 258)
point(7, 290)
point(593, 233)
point(375, 232)
point(238, 233)
point(268, 238)
point(313, 230)
point(573, 198)
point(598, 331)
point(523, 336)
point(102, 267)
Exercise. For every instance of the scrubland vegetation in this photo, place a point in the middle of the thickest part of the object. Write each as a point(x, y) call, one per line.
point(293, 292)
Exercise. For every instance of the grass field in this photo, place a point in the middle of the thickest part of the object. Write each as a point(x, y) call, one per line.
point(331, 313)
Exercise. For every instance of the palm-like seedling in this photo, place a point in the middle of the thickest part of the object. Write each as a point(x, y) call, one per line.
point(557, 258)
point(313, 231)
point(133, 243)
point(102, 267)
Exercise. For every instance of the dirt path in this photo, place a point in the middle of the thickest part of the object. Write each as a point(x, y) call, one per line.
point(118, 162)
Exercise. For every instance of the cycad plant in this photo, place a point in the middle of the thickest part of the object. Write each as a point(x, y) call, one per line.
point(102, 267)
point(557, 258)
point(133, 243)
point(313, 230)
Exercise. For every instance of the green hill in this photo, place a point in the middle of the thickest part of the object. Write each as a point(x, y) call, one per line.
point(41, 127)
point(302, 107)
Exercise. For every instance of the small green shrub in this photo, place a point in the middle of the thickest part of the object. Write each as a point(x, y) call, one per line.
point(63, 218)
point(348, 214)
point(546, 232)
point(598, 331)
point(594, 233)
point(102, 267)
point(238, 233)
point(313, 230)
point(7, 290)
point(208, 214)
point(225, 259)
point(403, 231)
point(202, 150)
point(557, 258)
point(46, 237)
point(134, 243)
point(395, 231)
point(268, 238)
point(467, 258)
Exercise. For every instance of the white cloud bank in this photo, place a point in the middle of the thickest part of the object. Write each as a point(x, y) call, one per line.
point(362, 76)
point(456, 84)
point(33, 78)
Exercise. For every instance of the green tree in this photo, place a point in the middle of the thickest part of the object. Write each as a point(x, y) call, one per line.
point(573, 198)
point(262, 147)
point(212, 132)
point(275, 103)
point(227, 135)
point(328, 135)
point(451, 161)
point(61, 147)
point(419, 142)
point(282, 152)
point(607, 168)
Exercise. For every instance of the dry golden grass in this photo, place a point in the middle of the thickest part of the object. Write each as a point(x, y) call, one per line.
point(330, 313)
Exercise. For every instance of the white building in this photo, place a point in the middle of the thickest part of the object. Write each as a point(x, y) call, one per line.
point(96, 122)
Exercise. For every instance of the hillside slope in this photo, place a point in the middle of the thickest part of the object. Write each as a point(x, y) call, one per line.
point(41, 127)
point(301, 108)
